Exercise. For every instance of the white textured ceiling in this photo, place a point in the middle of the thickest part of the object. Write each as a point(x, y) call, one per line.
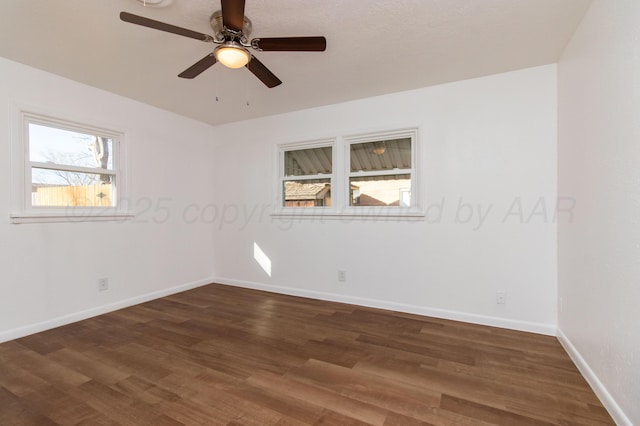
point(373, 47)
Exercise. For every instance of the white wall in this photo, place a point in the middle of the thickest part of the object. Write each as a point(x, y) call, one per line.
point(489, 142)
point(599, 163)
point(49, 271)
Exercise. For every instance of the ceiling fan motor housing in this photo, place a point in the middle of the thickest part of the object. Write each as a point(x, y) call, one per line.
point(221, 33)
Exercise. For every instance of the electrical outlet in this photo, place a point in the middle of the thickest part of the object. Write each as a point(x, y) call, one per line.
point(103, 284)
point(342, 275)
point(501, 297)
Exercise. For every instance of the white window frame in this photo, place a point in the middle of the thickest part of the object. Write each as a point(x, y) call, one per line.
point(411, 211)
point(341, 172)
point(22, 209)
point(280, 209)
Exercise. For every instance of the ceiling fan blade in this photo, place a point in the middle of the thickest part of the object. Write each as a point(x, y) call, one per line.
point(157, 25)
point(200, 66)
point(290, 44)
point(233, 14)
point(259, 70)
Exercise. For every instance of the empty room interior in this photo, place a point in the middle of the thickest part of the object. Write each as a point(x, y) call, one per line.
point(368, 212)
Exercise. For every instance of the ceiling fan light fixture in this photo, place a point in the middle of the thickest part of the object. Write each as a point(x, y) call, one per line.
point(232, 54)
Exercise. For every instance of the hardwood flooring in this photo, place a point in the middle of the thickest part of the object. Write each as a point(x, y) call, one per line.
point(220, 355)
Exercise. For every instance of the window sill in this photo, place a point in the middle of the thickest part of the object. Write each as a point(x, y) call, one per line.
point(349, 214)
point(74, 218)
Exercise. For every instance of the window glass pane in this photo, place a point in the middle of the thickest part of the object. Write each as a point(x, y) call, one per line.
point(307, 193)
point(381, 155)
point(68, 148)
point(60, 188)
point(391, 190)
point(304, 162)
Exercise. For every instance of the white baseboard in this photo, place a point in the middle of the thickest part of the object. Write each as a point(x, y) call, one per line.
point(19, 332)
point(533, 327)
point(590, 376)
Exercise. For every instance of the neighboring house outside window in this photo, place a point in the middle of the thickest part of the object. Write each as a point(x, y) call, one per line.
point(299, 194)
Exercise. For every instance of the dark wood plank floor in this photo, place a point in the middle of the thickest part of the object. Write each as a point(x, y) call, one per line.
point(219, 355)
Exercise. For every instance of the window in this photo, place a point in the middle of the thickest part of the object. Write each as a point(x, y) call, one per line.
point(306, 175)
point(68, 170)
point(375, 176)
point(380, 173)
point(380, 170)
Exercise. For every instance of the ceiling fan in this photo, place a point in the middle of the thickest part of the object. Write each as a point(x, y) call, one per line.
point(232, 29)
